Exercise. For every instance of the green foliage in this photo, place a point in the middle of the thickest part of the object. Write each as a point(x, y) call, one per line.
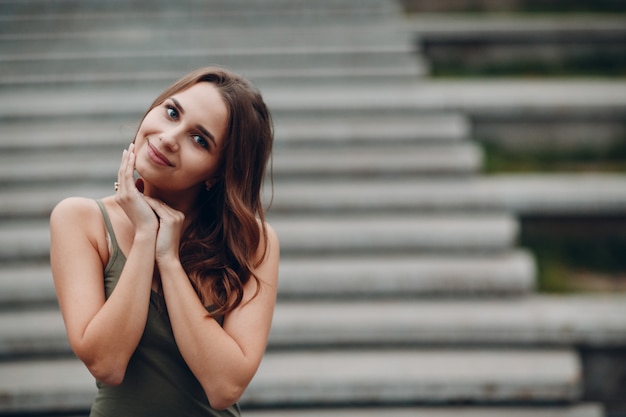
point(558, 256)
point(521, 6)
point(573, 6)
point(610, 159)
point(559, 251)
point(589, 65)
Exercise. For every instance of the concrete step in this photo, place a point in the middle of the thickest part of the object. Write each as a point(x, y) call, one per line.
point(476, 98)
point(105, 103)
point(402, 234)
point(594, 321)
point(454, 159)
point(236, 39)
point(511, 273)
point(72, 13)
point(337, 130)
point(523, 194)
point(583, 320)
point(515, 25)
point(334, 130)
point(26, 286)
point(416, 376)
point(575, 194)
point(561, 193)
point(157, 79)
point(182, 60)
point(66, 165)
point(338, 377)
point(583, 410)
point(28, 240)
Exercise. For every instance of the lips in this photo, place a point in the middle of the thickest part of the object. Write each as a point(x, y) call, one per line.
point(157, 157)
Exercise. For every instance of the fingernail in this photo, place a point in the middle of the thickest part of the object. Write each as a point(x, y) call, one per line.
point(139, 185)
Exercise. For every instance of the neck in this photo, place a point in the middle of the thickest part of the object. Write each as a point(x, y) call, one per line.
point(184, 201)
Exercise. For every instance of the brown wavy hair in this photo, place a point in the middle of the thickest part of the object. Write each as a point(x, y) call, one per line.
point(219, 249)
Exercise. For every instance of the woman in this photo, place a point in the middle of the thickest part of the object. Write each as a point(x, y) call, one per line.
point(168, 287)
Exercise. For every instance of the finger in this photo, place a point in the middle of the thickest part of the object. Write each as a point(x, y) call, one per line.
point(127, 169)
point(120, 171)
point(163, 211)
point(130, 165)
point(139, 185)
point(159, 206)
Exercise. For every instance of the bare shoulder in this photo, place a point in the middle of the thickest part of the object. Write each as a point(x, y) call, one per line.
point(74, 208)
point(76, 215)
point(271, 233)
point(271, 244)
point(77, 231)
point(269, 255)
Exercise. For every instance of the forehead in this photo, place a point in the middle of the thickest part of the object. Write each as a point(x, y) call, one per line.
point(202, 104)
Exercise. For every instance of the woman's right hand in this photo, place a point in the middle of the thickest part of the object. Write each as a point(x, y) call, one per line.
point(130, 198)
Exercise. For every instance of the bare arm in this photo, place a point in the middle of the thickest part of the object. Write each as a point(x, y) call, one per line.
point(103, 334)
point(224, 359)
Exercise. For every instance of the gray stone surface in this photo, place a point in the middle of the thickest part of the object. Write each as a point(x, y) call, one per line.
point(587, 410)
point(518, 26)
point(522, 194)
point(398, 288)
point(335, 60)
point(474, 97)
point(26, 285)
point(92, 15)
point(291, 378)
point(582, 193)
point(373, 234)
point(304, 277)
point(549, 321)
point(33, 332)
point(417, 376)
point(584, 410)
point(528, 321)
point(45, 385)
point(29, 239)
point(242, 40)
point(451, 159)
point(334, 130)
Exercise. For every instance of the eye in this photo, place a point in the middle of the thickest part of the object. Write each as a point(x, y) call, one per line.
point(172, 112)
point(200, 140)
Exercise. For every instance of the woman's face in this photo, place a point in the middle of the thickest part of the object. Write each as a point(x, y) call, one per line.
point(178, 144)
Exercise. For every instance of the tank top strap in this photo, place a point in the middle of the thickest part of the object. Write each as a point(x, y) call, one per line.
point(109, 226)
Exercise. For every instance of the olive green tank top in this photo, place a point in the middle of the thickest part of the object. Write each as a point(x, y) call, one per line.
point(157, 382)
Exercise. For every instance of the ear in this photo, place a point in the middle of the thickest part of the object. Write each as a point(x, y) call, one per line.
point(214, 179)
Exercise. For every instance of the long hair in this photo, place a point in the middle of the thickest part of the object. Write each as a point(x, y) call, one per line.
point(219, 249)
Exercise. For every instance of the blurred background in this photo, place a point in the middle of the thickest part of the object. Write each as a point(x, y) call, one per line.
point(449, 189)
point(557, 41)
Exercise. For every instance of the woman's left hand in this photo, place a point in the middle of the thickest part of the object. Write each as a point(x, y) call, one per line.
point(170, 229)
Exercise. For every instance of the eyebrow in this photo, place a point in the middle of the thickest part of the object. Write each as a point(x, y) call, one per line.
point(199, 127)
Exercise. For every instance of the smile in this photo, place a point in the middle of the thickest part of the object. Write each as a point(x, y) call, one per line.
point(157, 157)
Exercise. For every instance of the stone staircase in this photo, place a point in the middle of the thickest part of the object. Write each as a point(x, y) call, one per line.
point(402, 291)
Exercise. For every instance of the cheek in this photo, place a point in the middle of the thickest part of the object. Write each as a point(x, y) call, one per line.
point(150, 121)
point(201, 166)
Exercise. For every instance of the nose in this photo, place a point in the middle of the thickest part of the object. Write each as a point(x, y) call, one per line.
point(170, 139)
